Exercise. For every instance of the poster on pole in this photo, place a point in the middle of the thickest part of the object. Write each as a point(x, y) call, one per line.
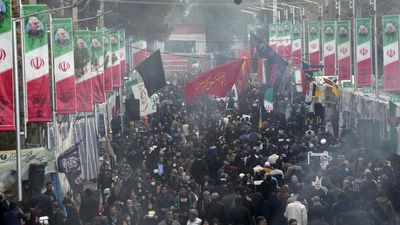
point(64, 69)
point(272, 36)
point(97, 66)
point(147, 104)
point(344, 50)
point(108, 84)
point(36, 63)
point(313, 43)
point(83, 73)
point(115, 59)
point(391, 64)
point(287, 43)
point(6, 69)
point(329, 48)
point(363, 54)
point(297, 47)
point(122, 53)
point(280, 47)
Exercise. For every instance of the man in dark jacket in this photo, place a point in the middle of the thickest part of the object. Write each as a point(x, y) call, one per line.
point(239, 214)
point(72, 213)
point(216, 209)
point(88, 208)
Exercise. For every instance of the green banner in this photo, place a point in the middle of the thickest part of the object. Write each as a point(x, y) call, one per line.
point(343, 32)
point(363, 30)
point(82, 55)
point(329, 31)
point(313, 31)
point(5, 16)
point(35, 26)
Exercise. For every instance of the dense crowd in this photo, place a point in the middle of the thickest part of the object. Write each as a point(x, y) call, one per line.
point(216, 162)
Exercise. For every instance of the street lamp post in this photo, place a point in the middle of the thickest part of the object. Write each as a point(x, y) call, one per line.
point(353, 19)
point(373, 14)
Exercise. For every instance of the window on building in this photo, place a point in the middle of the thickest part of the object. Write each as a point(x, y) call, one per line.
point(180, 46)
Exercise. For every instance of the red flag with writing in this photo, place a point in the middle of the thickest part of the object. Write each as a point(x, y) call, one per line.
point(244, 74)
point(217, 81)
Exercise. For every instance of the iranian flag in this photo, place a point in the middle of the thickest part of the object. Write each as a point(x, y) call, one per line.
point(115, 59)
point(262, 68)
point(108, 81)
point(272, 36)
point(313, 43)
point(122, 52)
point(269, 99)
point(83, 73)
point(391, 64)
point(287, 43)
point(64, 66)
point(280, 47)
point(97, 66)
point(363, 56)
point(6, 70)
point(344, 50)
point(36, 63)
point(329, 48)
point(296, 45)
point(139, 53)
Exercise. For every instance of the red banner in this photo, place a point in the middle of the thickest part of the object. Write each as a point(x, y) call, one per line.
point(115, 59)
point(217, 81)
point(38, 95)
point(364, 73)
point(344, 70)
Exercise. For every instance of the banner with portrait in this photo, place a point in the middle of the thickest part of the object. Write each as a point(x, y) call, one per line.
point(329, 48)
point(344, 50)
point(64, 69)
point(391, 63)
point(6, 68)
point(36, 63)
point(97, 66)
point(363, 54)
point(108, 82)
point(83, 73)
point(115, 59)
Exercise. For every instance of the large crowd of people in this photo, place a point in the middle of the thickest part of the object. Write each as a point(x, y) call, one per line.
point(216, 162)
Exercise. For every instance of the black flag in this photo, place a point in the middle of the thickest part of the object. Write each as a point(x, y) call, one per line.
point(277, 66)
point(152, 72)
point(69, 163)
point(132, 107)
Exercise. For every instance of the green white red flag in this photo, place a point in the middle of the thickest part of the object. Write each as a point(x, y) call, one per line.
point(115, 59)
point(272, 36)
point(36, 63)
point(280, 35)
point(313, 43)
point(329, 48)
point(64, 66)
point(122, 51)
point(108, 81)
point(83, 73)
point(287, 43)
point(363, 48)
point(6, 69)
point(97, 66)
point(343, 50)
point(391, 64)
point(297, 44)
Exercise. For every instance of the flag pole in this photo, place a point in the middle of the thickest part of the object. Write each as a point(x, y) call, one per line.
point(16, 111)
point(23, 67)
point(375, 50)
point(353, 7)
point(53, 82)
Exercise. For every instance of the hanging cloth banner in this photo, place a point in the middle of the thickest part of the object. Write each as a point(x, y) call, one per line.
point(83, 71)
point(97, 66)
point(391, 64)
point(363, 57)
point(343, 50)
point(287, 43)
point(297, 45)
point(108, 84)
point(313, 43)
point(115, 59)
point(6, 69)
point(280, 48)
point(329, 48)
point(64, 66)
point(122, 52)
point(272, 36)
point(36, 56)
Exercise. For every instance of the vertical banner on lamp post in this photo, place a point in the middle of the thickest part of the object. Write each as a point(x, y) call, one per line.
point(64, 66)
point(108, 84)
point(296, 45)
point(287, 43)
point(36, 53)
point(122, 51)
point(115, 59)
point(272, 36)
point(313, 43)
point(6, 69)
point(280, 49)
point(391, 64)
point(343, 50)
point(329, 48)
point(83, 73)
point(363, 48)
point(97, 66)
